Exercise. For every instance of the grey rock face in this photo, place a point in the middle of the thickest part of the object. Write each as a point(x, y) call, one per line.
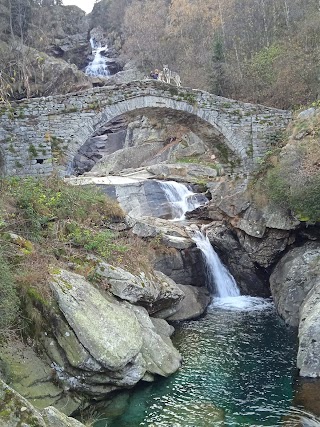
point(184, 266)
point(295, 286)
point(91, 317)
point(193, 305)
point(154, 292)
point(293, 278)
point(30, 376)
point(308, 360)
point(262, 232)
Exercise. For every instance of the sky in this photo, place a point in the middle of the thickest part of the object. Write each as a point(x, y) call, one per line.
point(85, 5)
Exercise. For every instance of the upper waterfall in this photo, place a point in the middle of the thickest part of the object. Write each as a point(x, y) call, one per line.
point(218, 276)
point(182, 199)
point(98, 67)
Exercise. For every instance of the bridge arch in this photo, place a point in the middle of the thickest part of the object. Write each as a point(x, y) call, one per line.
point(43, 129)
point(212, 137)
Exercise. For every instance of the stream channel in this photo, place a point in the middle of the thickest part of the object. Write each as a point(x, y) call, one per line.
point(238, 366)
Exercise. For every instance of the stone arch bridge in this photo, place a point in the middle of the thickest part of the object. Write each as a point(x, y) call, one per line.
point(37, 135)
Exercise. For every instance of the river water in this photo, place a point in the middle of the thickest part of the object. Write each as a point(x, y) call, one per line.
point(238, 370)
point(238, 362)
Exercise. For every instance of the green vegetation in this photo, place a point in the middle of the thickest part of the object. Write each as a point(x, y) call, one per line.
point(262, 64)
point(290, 176)
point(61, 223)
point(32, 151)
point(57, 148)
point(56, 226)
point(43, 203)
point(100, 242)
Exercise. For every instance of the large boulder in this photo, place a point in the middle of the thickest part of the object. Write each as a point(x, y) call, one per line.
point(184, 266)
point(99, 344)
point(193, 305)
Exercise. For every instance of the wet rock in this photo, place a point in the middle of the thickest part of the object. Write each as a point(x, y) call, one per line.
point(193, 305)
point(307, 394)
point(190, 172)
point(308, 360)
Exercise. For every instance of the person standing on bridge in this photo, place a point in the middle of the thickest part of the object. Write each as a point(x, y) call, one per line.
point(154, 74)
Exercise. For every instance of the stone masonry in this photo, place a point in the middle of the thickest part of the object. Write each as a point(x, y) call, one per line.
point(41, 134)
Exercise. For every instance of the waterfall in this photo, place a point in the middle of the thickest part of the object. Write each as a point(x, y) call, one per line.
point(181, 199)
point(217, 274)
point(98, 67)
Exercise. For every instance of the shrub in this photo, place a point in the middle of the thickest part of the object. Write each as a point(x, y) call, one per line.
point(100, 242)
point(294, 182)
point(41, 202)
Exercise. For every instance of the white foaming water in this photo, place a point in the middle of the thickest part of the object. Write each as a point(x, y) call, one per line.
point(98, 67)
point(224, 283)
point(242, 303)
point(181, 198)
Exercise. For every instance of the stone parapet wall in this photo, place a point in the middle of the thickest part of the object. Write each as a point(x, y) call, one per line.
point(38, 135)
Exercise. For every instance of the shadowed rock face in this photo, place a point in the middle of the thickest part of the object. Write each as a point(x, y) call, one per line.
point(293, 278)
point(295, 286)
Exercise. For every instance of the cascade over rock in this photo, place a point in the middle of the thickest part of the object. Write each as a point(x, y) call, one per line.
point(246, 273)
point(260, 232)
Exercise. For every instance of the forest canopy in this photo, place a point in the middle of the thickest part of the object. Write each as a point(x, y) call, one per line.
point(261, 51)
